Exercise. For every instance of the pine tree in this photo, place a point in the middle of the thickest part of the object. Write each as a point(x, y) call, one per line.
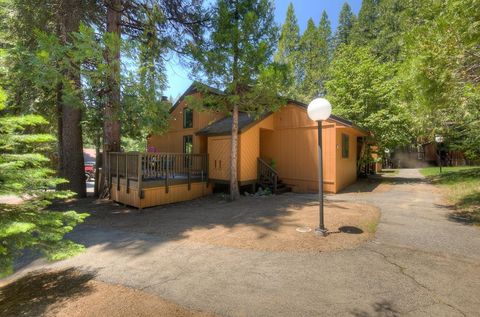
point(287, 52)
point(346, 22)
point(24, 174)
point(391, 23)
point(365, 29)
point(237, 56)
point(310, 58)
point(325, 45)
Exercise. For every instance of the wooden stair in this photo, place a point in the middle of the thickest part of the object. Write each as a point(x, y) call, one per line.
point(267, 177)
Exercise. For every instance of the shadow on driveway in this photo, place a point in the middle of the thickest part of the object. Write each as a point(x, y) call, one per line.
point(33, 293)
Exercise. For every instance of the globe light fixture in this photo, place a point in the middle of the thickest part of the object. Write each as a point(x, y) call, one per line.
point(319, 110)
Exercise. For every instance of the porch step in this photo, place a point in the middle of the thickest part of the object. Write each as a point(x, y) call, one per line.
point(281, 187)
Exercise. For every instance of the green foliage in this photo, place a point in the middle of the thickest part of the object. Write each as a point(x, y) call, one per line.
point(24, 173)
point(307, 58)
point(346, 21)
point(288, 53)
point(394, 17)
point(364, 90)
point(311, 59)
point(440, 75)
point(325, 53)
point(237, 57)
point(134, 145)
point(365, 29)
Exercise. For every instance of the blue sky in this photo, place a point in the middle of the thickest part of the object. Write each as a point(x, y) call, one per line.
point(178, 77)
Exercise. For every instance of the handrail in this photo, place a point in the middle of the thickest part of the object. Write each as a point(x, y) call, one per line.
point(266, 175)
point(140, 166)
point(267, 165)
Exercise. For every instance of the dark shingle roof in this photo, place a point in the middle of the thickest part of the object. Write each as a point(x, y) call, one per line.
point(224, 126)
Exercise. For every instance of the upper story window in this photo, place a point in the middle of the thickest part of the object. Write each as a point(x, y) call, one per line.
point(187, 118)
point(345, 145)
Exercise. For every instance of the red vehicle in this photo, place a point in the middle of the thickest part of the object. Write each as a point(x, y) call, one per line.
point(89, 171)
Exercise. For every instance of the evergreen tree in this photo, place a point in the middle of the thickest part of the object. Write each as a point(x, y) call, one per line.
point(365, 29)
point(59, 18)
point(346, 22)
point(24, 173)
point(311, 59)
point(387, 44)
point(237, 56)
point(325, 45)
point(287, 52)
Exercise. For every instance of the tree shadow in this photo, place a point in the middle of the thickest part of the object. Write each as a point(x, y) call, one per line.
point(452, 177)
point(32, 294)
point(133, 232)
point(350, 230)
point(466, 211)
point(114, 226)
point(380, 309)
point(372, 182)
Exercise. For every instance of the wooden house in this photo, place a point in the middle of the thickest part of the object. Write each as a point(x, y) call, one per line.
point(278, 150)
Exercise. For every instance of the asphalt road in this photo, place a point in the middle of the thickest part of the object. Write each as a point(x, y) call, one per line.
point(420, 264)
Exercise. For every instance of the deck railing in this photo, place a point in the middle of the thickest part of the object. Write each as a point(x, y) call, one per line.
point(164, 167)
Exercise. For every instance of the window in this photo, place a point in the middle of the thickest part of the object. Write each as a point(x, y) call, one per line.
point(187, 144)
point(187, 118)
point(345, 145)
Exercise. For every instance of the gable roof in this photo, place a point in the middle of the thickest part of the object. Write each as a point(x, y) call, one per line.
point(245, 120)
point(194, 87)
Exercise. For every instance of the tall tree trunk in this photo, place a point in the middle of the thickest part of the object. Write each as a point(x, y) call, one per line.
point(234, 192)
point(98, 163)
point(111, 125)
point(59, 132)
point(70, 130)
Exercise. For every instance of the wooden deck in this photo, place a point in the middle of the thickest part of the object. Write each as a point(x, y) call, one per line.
point(149, 179)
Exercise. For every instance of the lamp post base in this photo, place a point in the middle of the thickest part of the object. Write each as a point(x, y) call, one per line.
point(321, 232)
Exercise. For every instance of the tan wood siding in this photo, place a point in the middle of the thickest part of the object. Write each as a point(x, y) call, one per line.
point(295, 152)
point(158, 196)
point(249, 149)
point(346, 171)
point(293, 147)
point(172, 141)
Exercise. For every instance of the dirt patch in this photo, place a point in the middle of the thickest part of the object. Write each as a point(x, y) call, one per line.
point(349, 225)
point(261, 223)
point(72, 293)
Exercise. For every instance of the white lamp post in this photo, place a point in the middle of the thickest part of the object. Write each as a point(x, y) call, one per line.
point(319, 110)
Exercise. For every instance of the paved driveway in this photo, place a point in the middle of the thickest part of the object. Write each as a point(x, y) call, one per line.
point(420, 264)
